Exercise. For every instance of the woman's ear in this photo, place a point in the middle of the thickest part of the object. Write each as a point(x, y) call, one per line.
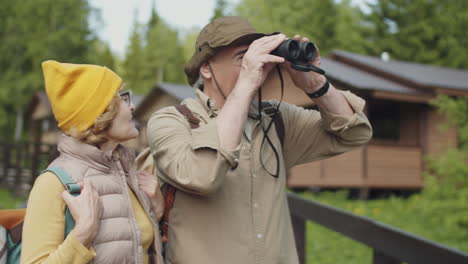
point(205, 71)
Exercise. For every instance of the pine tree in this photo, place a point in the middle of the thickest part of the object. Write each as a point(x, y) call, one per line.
point(154, 55)
point(425, 31)
point(31, 32)
point(134, 63)
point(328, 24)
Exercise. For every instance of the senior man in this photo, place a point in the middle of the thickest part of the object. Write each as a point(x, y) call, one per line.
point(229, 170)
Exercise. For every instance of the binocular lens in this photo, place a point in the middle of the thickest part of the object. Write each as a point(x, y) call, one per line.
point(289, 50)
point(308, 50)
point(293, 50)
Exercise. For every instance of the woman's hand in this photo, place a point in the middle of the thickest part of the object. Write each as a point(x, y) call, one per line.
point(149, 184)
point(86, 210)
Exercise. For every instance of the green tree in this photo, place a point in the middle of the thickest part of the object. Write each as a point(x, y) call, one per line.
point(448, 172)
point(330, 25)
point(220, 9)
point(188, 42)
point(154, 55)
point(134, 63)
point(33, 31)
point(101, 54)
point(425, 31)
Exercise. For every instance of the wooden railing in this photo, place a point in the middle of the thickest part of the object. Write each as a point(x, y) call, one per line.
point(21, 162)
point(390, 245)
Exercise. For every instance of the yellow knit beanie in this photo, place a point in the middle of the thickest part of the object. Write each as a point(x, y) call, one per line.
point(78, 93)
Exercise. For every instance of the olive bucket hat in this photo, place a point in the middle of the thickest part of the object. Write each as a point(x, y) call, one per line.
point(221, 32)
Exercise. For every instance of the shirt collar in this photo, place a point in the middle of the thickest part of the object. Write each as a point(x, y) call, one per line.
point(211, 108)
point(208, 104)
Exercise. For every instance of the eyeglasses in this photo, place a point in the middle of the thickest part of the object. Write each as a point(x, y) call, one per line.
point(126, 97)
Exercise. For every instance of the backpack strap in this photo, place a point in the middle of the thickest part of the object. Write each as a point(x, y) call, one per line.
point(72, 187)
point(188, 114)
point(68, 183)
point(270, 110)
point(171, 190)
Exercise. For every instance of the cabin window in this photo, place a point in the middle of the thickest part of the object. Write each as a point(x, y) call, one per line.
point(385, 120)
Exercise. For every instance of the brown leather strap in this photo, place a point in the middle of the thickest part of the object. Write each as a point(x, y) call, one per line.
point(169, 194)
point(169, 202)
point(187, 113)
point(16, 232)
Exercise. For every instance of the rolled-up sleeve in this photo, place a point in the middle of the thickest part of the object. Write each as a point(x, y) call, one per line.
point(312, 135)
point(189, 159)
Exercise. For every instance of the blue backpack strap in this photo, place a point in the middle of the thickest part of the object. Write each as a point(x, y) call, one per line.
point(73, 188)
point(68, 183)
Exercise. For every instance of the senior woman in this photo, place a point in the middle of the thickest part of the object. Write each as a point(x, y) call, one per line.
point(118, 209)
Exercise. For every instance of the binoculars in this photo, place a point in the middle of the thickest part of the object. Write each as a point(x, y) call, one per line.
point(299, 54)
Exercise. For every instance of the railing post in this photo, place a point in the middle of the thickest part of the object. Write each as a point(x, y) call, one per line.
point(5, 161)
point(299, 227)
point(35, 161)
point(16, 181)
point(381, 258)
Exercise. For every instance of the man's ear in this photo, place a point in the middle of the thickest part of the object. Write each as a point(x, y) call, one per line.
point(205, 71)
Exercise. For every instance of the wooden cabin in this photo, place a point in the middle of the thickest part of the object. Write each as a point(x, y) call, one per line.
point(406, 127)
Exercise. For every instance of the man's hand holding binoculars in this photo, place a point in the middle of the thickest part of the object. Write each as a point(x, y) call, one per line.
point(301, 57)
point(258, 62)
point(308, 81)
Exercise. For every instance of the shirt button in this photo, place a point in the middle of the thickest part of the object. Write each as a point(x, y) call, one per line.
point(236, 162)
point(255, 205)
point(259, 236)
point(254, 175)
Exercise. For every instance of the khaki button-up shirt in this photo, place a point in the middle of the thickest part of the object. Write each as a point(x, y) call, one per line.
point(228, 208)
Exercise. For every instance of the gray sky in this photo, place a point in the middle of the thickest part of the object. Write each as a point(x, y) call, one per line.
point(118, 16)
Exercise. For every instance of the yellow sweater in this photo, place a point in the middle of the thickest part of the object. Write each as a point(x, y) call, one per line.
point(44, 224)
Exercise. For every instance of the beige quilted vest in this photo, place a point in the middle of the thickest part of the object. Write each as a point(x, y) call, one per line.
point(119, 238)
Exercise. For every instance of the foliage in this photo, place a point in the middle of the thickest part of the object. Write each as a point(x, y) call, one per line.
point(421, 214)
point(438, 213)
point(189, 42)
point(35, 31)
point(456, 109)
point(220, 9)
point(425, 31)
point(327, 23)
point(155, 54)
point(133, 65)
point(8, 200)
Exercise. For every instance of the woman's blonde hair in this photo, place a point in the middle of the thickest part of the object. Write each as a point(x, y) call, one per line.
point(95, 135)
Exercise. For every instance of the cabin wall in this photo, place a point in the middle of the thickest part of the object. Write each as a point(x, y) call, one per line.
point(438, 138)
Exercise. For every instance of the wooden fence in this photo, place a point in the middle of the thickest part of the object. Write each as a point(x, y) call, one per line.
point(21, 163)
point(390, 245)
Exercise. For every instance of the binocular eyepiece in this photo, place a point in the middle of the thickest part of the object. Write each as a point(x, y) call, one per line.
point(299, 54)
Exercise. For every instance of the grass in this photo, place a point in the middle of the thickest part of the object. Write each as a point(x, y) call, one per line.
point(441, 221)
point(8, 200)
